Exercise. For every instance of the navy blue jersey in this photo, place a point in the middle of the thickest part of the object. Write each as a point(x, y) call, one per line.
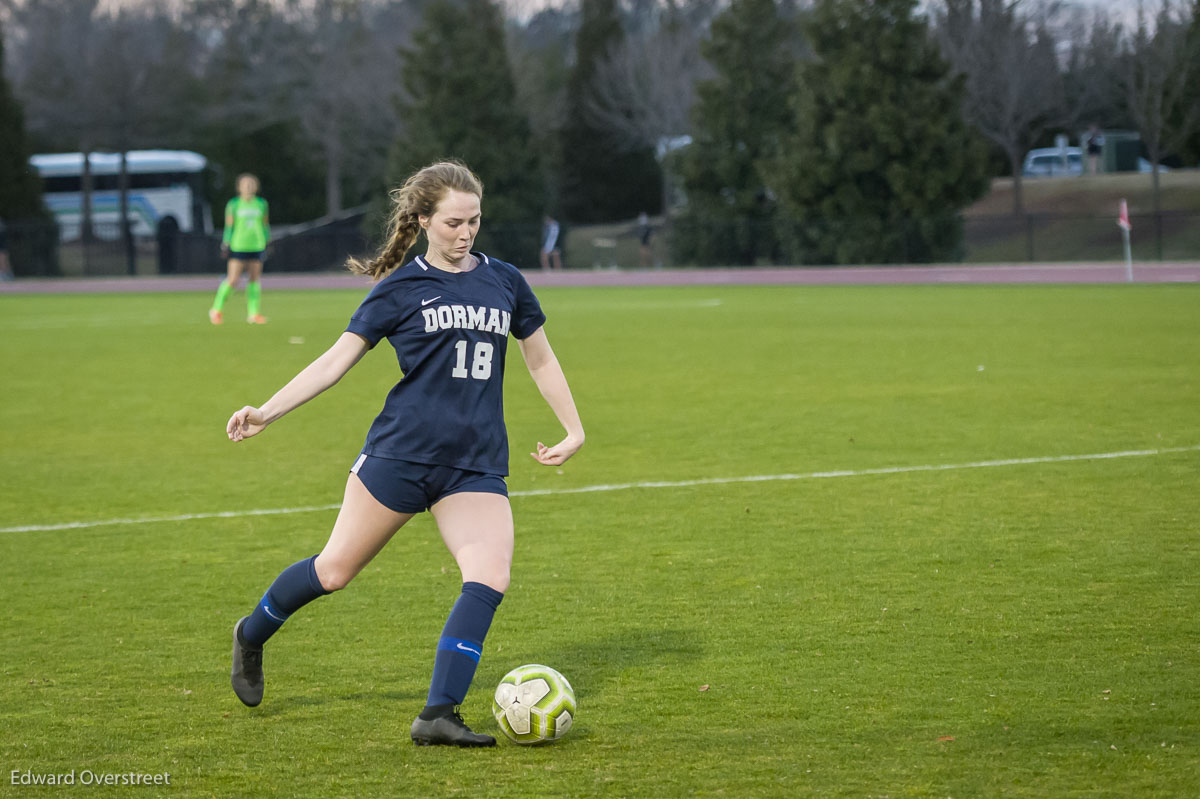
point(450, 331)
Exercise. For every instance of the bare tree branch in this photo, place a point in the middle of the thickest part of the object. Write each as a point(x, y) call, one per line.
point(1161, 68)
point(1013, 82)
point(645, 88)
point(343, 90)
point(1090, 71)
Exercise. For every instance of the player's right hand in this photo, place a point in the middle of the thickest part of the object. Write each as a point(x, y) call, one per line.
point(245, 423)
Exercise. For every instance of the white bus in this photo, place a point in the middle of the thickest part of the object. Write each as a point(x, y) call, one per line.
point(165, 188)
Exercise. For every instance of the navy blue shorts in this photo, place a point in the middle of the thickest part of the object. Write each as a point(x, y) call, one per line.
point(408, 487)
point(247, 256)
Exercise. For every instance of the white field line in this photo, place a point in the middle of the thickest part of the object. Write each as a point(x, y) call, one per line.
point(541, 492)
point(854, 472)
point(183, 517)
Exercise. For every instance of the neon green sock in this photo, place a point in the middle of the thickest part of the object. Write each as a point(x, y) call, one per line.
point(223, 292)
point(253, 297)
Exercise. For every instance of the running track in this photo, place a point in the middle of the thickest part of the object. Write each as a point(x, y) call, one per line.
point(1166, 272)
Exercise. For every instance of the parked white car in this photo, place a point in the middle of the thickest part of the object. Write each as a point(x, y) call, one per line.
point(1053, 162)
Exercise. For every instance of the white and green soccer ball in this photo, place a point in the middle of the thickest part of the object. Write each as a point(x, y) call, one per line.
point(534, 705)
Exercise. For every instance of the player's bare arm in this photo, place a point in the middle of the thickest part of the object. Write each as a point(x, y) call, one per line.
point(321, 374)
point(552, 383)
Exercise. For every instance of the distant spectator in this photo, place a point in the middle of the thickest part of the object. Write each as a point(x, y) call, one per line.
point(645, 232)
point(1094, 144)
point(6, 272)
point(551, 256)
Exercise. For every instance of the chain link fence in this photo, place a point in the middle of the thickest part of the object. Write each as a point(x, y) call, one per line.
point(35, 250)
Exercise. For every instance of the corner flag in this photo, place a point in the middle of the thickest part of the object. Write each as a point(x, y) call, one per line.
point(1123, 219)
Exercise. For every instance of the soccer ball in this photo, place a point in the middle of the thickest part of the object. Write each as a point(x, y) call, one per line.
point(534, 705)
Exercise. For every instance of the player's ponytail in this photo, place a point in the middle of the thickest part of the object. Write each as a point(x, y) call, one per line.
point(418, 197)
point(403, 230)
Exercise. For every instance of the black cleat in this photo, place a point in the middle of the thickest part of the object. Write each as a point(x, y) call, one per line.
point(448, 730)
point(247, 674)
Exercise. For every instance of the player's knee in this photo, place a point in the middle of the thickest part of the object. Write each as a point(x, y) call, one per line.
point(333, 576)
point(499, 582)
point(494, 576)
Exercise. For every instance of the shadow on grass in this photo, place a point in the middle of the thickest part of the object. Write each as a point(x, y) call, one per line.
point(599, 662)
point(283, 705)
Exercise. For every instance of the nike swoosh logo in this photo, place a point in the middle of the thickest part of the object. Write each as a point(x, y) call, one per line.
point(267, 608)
point(426, 302)
point(469, 649)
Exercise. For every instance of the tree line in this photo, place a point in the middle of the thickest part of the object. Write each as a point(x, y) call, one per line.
point(832, 131)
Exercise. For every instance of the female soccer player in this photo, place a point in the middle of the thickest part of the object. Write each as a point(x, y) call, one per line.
point(438, 444)
point(247, 231)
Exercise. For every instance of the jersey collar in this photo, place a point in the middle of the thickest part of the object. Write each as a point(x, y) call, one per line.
point(426, 266)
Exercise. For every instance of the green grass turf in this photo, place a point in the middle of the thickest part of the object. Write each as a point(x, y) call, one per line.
point(1016, 631)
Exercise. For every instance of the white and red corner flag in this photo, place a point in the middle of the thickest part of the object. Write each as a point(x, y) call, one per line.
point(1123, 219)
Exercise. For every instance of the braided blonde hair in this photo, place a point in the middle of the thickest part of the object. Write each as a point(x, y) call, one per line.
point(419, 196)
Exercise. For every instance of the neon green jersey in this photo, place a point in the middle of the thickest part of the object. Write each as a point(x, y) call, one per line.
point(250, 230)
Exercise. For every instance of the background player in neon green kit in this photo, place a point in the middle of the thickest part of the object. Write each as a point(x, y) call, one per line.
point(247, 231)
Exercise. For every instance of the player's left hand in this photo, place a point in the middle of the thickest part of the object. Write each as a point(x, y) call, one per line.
point(558, 454)
point(245, 423)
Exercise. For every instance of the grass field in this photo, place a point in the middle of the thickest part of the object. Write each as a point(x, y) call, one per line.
point(1019, 630)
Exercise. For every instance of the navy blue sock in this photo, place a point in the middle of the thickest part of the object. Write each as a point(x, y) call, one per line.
point(461, 644)
point(295, 587)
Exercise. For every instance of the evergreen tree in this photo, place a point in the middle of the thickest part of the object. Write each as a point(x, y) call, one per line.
point(881, 160)
point(540, 50)
point(602, 179)
point(20, 190)
point(31, 237)
point(740, 117)
point(290, 173)
point(461, 102)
